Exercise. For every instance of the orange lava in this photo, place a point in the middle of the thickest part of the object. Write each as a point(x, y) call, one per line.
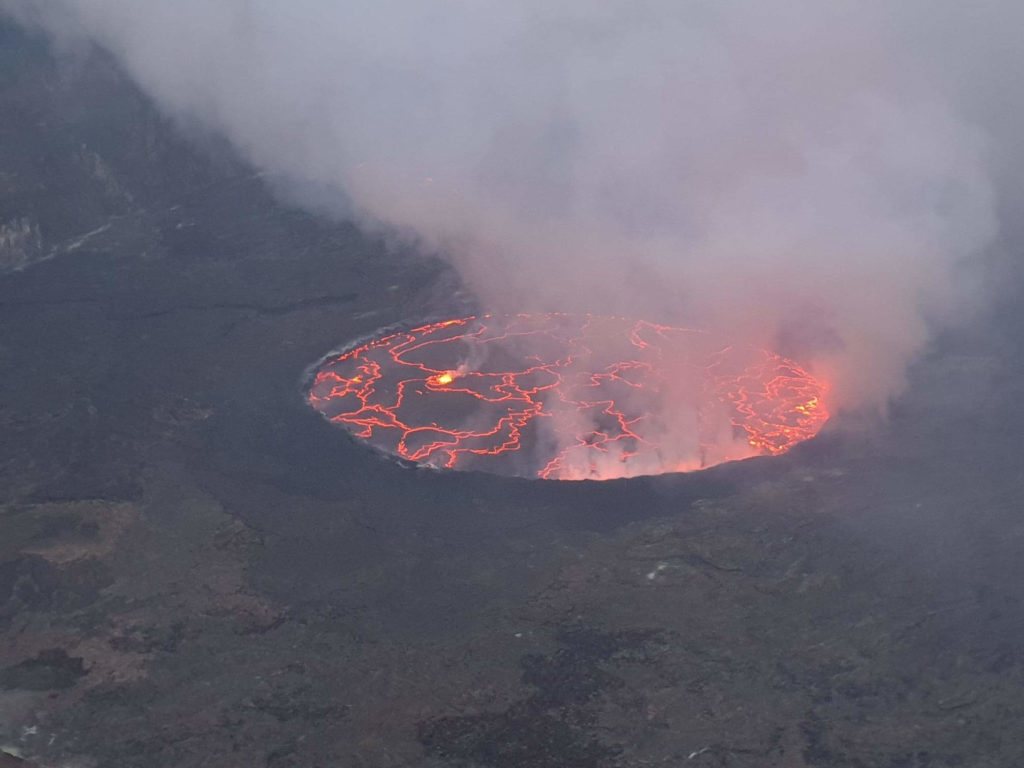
point(568, 397)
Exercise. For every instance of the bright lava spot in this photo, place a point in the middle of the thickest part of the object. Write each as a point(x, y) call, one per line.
point(567, 397)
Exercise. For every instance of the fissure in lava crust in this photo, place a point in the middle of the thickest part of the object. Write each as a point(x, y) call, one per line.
point(567, 397)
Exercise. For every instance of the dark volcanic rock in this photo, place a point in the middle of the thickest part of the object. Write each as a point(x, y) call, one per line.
point(51, 669)
point(552, 727)
point(30, 582)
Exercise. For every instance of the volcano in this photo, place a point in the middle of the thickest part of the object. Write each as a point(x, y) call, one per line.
point(567, 397)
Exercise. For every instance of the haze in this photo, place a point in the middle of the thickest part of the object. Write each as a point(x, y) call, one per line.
point(821, 178)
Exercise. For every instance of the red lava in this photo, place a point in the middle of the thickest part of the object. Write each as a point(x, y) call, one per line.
point(567, 397)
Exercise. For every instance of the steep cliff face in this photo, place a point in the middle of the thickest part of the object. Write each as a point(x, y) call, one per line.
point(20, 243)
point(81, 148)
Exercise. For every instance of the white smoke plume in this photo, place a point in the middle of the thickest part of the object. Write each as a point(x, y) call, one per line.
point(815, 175)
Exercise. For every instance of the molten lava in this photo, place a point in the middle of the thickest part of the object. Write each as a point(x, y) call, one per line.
point(567, 397)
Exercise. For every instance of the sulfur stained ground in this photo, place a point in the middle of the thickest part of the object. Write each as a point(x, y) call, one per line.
point(196, 570)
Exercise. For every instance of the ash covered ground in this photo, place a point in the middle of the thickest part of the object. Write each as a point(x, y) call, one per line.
point(197, 570)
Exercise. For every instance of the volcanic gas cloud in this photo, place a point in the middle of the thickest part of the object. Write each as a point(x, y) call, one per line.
point(822, 179)
point(567, 397)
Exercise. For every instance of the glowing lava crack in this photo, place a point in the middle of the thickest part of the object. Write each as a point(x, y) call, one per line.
point(567, 397)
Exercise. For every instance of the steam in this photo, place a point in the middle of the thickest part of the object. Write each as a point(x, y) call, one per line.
point(812, 175)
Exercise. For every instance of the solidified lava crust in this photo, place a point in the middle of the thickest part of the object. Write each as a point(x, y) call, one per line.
point(567, 397)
